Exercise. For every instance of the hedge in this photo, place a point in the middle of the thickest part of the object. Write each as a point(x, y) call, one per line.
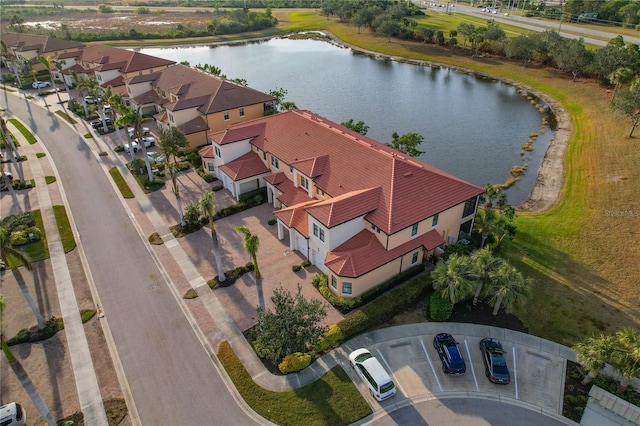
point(440, 308)
point(294, 362)
point(329, 339)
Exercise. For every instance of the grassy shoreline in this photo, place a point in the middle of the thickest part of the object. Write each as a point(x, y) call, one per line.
point(580, 252)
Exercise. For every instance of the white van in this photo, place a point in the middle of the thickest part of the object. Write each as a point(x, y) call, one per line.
point(372, 374)
point(12, 415)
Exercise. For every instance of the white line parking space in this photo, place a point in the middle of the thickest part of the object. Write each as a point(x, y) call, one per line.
point(514, 372)
point(470, 364)
point(431, 365)
point(393, 376)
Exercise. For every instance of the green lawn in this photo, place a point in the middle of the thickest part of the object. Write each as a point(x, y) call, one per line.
point(120, 183)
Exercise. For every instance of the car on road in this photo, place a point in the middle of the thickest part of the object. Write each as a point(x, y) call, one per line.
point(12, 414)
point(450, 355)
point(98, 123)
point(495, 366)
point(40, 84)
point(147, 140)
point(131, 131)
point(372, 374)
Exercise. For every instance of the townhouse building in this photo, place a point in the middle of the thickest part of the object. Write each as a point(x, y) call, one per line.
point(360, 211)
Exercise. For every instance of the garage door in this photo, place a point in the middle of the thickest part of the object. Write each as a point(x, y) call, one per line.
point(301, 244)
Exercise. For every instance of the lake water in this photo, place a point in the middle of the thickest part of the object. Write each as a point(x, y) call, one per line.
point(473, 127)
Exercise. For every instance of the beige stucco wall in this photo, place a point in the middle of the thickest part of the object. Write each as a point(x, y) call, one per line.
point(369, 280)
point(195, 140)
point(217, 122)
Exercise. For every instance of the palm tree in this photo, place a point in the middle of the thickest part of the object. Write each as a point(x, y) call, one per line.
point(488, 222)
point(47, 62)
point(485, 263)
point(11, 149)
point(251, 246)
point(87, 86)
point(4, 179)
point(171, 142)
point(592, 353)
point(619, 77)
point(493, 194)
point(133, 117)
point(58, 63)
point(626, 355)
point(454, 278)
point(208, 209)
point(6, 249)
point(116, 102)
point(173, 171)
point(22, 375)
point(508, 288)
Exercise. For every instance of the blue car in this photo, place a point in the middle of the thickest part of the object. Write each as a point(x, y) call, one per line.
point(447, 347)
point(495, 366)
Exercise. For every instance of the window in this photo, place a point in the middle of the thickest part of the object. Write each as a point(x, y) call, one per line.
point(241, 110)
point(226, 116)
point(469, 207)
point(304, 182)
point(414, 229)
point(274, 162)
point(315, 229)
point(346, 288)
point(321, 235)
point(211, 167)
point(150, 70)
point(375, 229)
point(290, 169)
point(140, 72)
point(414, 258)
point(334, 282)
point(264, 156)
point(171, 117)
point(434, 222)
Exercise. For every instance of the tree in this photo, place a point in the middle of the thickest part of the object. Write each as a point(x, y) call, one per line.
point(407, 143)
point(508, 288)
point(387, 27)
point(489, 222)
point(208, 209)
point(291, 327)
point(522, 47)
point(6, 250)
point(626, 355)
point(485, 263)
point(628, 102)
point(87, 86)
point(279, 95)
point(454, 278)
point(359, 127)
point(592, 353)
point(466, 31)
point(47, 63)
point(11, 149)
point(22, 375)
point(619, 77)
point(493, 194)
point(251, 246)
point(171, 142)
point(132, 116)
point(572, 56)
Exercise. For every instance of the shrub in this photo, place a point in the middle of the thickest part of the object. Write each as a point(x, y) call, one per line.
point(204, 175)
point(190, 294)
point(294, 362)
point(87, 314)
point(217, 188)
point(272, 222)
point(194, 158)
point(329, 339)
point(341, 303)
point(440, 308)
point(296, 268)
point(254, 197)
point(306, 263)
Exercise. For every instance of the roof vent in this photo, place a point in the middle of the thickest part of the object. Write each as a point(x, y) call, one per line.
point(408, 174)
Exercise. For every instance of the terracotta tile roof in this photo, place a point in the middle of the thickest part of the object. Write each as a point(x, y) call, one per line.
point(197, 88)
point(195, 125)
point(245, 166)
point(346, 161)
point(233, 134)
point(67, 55)
point(363, 252)
point(146, 98)
point(334, 211)
point(42, 44)
point(296, 217)
point(206, 152)
point(291, 195)
point(126, 60)
point(276, 178)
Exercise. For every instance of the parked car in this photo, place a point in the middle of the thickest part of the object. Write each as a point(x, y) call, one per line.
point(155, 157)
point(89, 100)
point(372, 374)
point(147, 140)
point(131, 131)
point(12, 414)
point(495, 366)
point(98, 123)
point(450, 355)
point(106, 108)
point(40, 84)
point(9, 176)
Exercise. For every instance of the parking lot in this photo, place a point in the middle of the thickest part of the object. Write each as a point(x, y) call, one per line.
point(537, 366)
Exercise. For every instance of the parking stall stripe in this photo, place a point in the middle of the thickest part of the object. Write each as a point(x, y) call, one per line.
point(395, 379)
point(431, 365)
point(515, 371)
point(473, 371)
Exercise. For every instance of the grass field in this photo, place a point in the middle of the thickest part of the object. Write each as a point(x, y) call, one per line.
point(581, 252)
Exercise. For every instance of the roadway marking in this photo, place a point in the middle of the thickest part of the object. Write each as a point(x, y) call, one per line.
point(471, 365)
point(395, 379)
point(515, 370)
point(431, 365)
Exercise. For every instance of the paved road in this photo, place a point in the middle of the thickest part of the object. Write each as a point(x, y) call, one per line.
point(171, 377)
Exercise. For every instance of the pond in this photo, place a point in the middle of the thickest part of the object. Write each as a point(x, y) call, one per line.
point(473, 127)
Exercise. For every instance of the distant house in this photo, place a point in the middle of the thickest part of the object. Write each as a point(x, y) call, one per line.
point(357, 209)
point(195, 101)
point(111, 66)
point(26, 47)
